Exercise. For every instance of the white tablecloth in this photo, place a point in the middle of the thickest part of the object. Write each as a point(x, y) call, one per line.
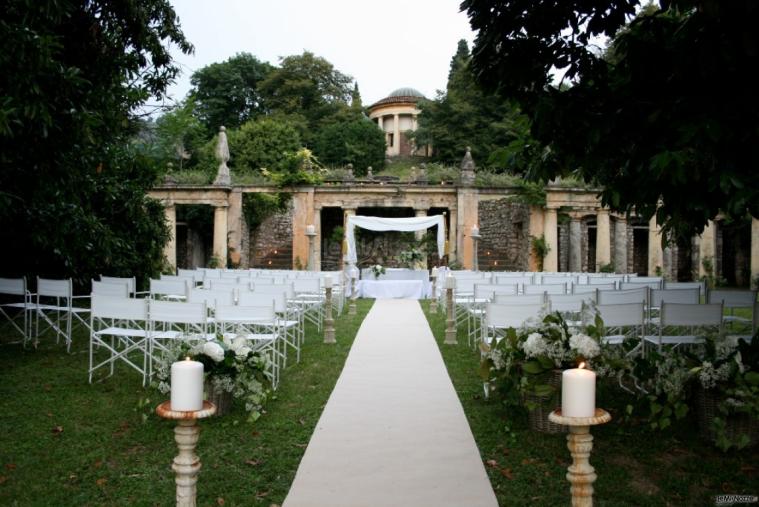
point(391, 289)
point(401, 274)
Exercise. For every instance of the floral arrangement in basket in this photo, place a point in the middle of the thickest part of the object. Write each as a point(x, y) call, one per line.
point(411, 257)
point(728, 372)
point(519, 363)
point(377, 270)
point(230, 365)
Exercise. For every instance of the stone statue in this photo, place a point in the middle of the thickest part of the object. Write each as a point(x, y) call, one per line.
point(349, 176)
point(369, 173)
point(222, 154)
point(422, 176)
point(467, 169)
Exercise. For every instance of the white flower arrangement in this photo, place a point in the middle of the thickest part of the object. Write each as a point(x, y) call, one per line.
point(377, 270)
point(229, 364)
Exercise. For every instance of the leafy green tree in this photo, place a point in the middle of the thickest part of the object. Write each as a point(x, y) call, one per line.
point(666, 119)
point(309, 86)
point(227, 93)
point(464, 116)
point(179, 135)
point(72, 191)
point(358, 142)
point(265, 143)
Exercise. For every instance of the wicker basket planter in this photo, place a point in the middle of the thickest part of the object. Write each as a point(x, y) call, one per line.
point(542, 406)
point(707, 401)
point(222, 399)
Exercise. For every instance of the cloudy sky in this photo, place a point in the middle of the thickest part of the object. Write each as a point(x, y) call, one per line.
point(383, 45)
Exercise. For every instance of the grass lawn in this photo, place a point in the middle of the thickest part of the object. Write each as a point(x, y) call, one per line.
point(66, 442)
point(635, 466)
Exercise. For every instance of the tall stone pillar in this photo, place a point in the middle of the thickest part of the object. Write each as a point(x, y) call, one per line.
point(318, 238)
point(603, 239)
point(453, 253)
point(468, 209)
point(655, 251)
point(170, 249)
point(419, 235)
point(620, 245)
point(755, 253)
point(536, 231)
point(220, 233)
point(708, 247)
point(550, 225)
point(234, 225)
point(396, 134)
point(575, 244)
point(380, 123)
point(303, 215)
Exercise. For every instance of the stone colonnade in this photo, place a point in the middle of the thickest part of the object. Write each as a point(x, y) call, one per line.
point(461, 202)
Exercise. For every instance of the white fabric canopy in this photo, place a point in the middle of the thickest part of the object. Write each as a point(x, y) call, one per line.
point(393, 224)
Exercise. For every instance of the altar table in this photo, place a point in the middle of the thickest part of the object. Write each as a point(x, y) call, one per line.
point(391, 289)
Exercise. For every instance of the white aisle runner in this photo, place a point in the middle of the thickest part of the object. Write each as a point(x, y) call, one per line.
point(393, 432)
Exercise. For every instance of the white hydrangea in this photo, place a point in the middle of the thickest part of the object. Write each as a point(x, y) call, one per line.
point(497, 357)
point(584, 345)
point(239, 342)
point(535, 345)
point(709, 376)
point(214, 351)
point(242, 352)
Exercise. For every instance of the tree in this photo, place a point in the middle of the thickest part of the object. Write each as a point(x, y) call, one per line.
point(306, 85)
point(73, 193)
point(179, 134)
point(263, 144)
point(665, 122)
point(358, 142)
point(464, 116)
point(227, 94)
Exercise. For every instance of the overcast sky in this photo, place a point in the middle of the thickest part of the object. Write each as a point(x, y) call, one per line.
point(383, 45)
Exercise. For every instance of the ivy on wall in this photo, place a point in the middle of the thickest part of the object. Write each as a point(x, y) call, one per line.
point(258, 206)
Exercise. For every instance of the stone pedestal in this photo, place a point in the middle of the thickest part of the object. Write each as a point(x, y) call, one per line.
point(575, 245)
point(220, 234)
point(329, 322)
point(603, 239)
point(450, 323)
point(620, 245)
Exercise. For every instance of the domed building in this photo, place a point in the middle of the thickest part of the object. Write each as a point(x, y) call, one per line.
point(397, 114)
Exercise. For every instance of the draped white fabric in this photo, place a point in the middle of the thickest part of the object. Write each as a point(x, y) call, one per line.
point(393, 224)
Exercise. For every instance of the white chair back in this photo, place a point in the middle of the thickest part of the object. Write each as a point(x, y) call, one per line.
point(732, 298)
point(553, 288)
point(520, 299)
point(684, 296)
point(501, 316)
point(13, 286)
point(615, 297)
point(119, 290)
point(619, 315)
point(131, 282)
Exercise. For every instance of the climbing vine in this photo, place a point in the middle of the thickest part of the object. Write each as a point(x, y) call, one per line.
point(258, 206)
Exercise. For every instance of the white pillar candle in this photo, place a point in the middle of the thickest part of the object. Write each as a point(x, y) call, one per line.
point(310, 229)
point(475, 231)
point(450, 282)
point(578, 392)
point(186, 386)
point(328, 281)
point(434, 272)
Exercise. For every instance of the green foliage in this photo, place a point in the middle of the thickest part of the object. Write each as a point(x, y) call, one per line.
point(358, 142)
point(263, 144)
point(178, 135)
point(663, 122)
point(258, 206)
point(73, 191)
point(541, 248)
point(464, 115)
point(226, 93)
point(308, 86)
point(606, 268)
point(300, 168)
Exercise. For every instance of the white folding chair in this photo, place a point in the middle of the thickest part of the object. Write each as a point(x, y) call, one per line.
point(130, 282)
point(571, 306)
point(552, 288)
point(16, 305)
point(174, 321)
point(625, 321)
point(55, 309)
point(119, 290)
point(288, 321)
point(119, 325)
point(499, 317)
point(171, 290)
point(686, 324)
point(259, 326)
point(651, 284)
point(308, 293)
point(618, 297)
point(732, 300)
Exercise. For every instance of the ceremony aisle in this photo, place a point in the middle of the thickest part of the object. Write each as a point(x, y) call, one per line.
point(393, 431)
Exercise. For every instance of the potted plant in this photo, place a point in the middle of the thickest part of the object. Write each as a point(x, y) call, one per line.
point(232, 370)
point(525, 366)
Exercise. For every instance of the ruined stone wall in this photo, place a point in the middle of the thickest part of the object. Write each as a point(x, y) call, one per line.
point(271, 244)
point(505, 243)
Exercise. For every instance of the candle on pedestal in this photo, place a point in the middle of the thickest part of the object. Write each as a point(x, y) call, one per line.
point(578, 392)
point(450, 282)
point(310, 229)
point(328, 281)
point(475, 231)
point(186, 386)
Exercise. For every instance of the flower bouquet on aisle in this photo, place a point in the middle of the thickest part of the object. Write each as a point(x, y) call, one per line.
point(524, 365)
point(377, 270)
point(232, 370)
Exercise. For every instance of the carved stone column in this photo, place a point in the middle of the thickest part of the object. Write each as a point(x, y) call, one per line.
point(603, 239)
point(655, 251)
point(620, 245)
point(575, 244)
point(220, 234)
point(170, 249)
point(550, 224)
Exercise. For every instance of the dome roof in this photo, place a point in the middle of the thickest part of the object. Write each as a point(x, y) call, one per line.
point(400, 96)
point(406, 92)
